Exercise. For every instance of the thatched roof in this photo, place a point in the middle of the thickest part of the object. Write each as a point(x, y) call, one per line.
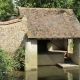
point(51, 23)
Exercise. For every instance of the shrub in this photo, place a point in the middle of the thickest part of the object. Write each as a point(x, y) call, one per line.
point(8, 63)
point(5, 62)
point(20, 58)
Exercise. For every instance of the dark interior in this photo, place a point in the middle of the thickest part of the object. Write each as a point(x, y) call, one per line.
point(42, 45)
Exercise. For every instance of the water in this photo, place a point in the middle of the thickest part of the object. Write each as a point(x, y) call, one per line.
point(55, 73)
point(43, 73)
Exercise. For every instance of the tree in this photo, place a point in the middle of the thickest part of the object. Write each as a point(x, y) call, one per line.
point(73, 4)
point(6, 9)
point(44, 3)
point(76, 8)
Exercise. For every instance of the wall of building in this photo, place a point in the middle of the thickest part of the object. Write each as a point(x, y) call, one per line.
point(58, 44)
point(13, 35)
point(46, 56)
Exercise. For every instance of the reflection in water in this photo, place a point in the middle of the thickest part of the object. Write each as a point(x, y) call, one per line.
point(15, 75)
point(31, 75)
point(54, 73)
point(43, 73)
point(70, 76)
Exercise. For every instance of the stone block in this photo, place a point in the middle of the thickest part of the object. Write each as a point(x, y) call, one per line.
point(75, 58)
point(50, 58)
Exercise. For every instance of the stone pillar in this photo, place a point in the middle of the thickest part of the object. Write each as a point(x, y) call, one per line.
point(76, 51)
point(70, 76)
point(31, 55)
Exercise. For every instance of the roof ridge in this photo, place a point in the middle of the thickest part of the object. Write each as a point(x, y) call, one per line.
point(10, 21)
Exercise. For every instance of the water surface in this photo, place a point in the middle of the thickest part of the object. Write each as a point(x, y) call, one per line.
point(43, 73)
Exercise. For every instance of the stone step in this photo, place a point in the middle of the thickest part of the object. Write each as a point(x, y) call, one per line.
point(68, 66)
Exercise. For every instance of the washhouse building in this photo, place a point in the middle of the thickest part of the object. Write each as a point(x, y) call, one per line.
point(44, 32)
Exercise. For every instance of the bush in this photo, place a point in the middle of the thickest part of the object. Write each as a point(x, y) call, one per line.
point(8, 63)
point(5, 62)
point(20, 58)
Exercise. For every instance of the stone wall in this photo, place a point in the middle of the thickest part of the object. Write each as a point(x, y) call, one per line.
point(13, 34)
point(58, 44)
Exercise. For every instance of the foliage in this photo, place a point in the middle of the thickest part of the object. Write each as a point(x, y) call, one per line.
point(20, 58)
point(73, 4)
point(11, 76)
point(6, 9)
point(45, 3)
point(5, 62)
point(76, 8)
point(71, 44)
point(8, 63)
